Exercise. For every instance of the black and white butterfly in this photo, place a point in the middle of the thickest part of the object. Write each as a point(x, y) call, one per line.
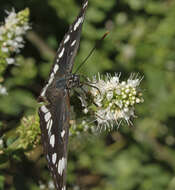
point(54, 113)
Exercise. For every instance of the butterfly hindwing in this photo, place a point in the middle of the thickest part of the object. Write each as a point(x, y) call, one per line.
point(54, 113)
point(54, 123)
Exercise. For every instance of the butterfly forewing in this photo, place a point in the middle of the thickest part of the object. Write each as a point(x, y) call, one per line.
point(69, 45)
point(54, 113)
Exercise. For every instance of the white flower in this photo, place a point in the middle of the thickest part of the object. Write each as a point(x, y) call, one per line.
point(98, 100)
point(109, 95)
point(42, 186)
point(85, 125)
point(1, 142)
point(4, 49)
point(11, 33)
point(138, 100)
point(115, 80)
point(3, 90)
point(85, 110)
point(19, 39)
point(128, 51)
point(51, 185)
point(10, 61)
point(114, 100)
point(11, 20)
point(100, 116)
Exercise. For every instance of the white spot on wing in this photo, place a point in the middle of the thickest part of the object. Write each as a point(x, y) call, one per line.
point(56, 67)
point(54, 158)
point(73, 43)
point(85, 5)
point(78, 23)
point(48, 158)
point(44, 90)
point(47, 116)
point(50, 80)
point(52, 75)
point(61, 165)
point(49, 124)
point(44, 109)
point(62, 133)
point(61, 53)
point(67, 39)
point(52, 140)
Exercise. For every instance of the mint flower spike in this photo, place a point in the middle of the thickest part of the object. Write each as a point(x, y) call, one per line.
point(114, 100)
point(11, 34)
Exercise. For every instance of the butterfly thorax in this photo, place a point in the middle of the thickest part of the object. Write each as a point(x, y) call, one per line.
point(62, 85)
point(69, 82)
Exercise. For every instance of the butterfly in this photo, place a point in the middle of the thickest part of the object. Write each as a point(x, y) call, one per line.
point(54, 113)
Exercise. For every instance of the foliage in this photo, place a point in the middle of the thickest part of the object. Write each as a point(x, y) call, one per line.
point(142, 38)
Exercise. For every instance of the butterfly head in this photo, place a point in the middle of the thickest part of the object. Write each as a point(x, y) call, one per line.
point(74, 81)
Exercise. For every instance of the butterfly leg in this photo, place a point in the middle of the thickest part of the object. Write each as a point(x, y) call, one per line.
point(86, 79)
point(89, 84)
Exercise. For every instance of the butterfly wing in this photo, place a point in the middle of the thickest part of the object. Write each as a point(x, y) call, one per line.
point(54, 114)
point(70, 43)
point(67, 50)
point(54, 124)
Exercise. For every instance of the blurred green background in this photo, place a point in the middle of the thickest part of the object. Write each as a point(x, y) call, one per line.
point(141, 40)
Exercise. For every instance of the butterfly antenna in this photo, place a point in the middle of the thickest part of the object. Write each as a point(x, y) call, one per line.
point(92, 50)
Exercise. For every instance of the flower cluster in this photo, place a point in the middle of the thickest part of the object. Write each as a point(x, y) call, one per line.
point(113, 101)
point(1, 146)
point(11, 35)
point(28, 133)
point(1, 142)
point(50, 185)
